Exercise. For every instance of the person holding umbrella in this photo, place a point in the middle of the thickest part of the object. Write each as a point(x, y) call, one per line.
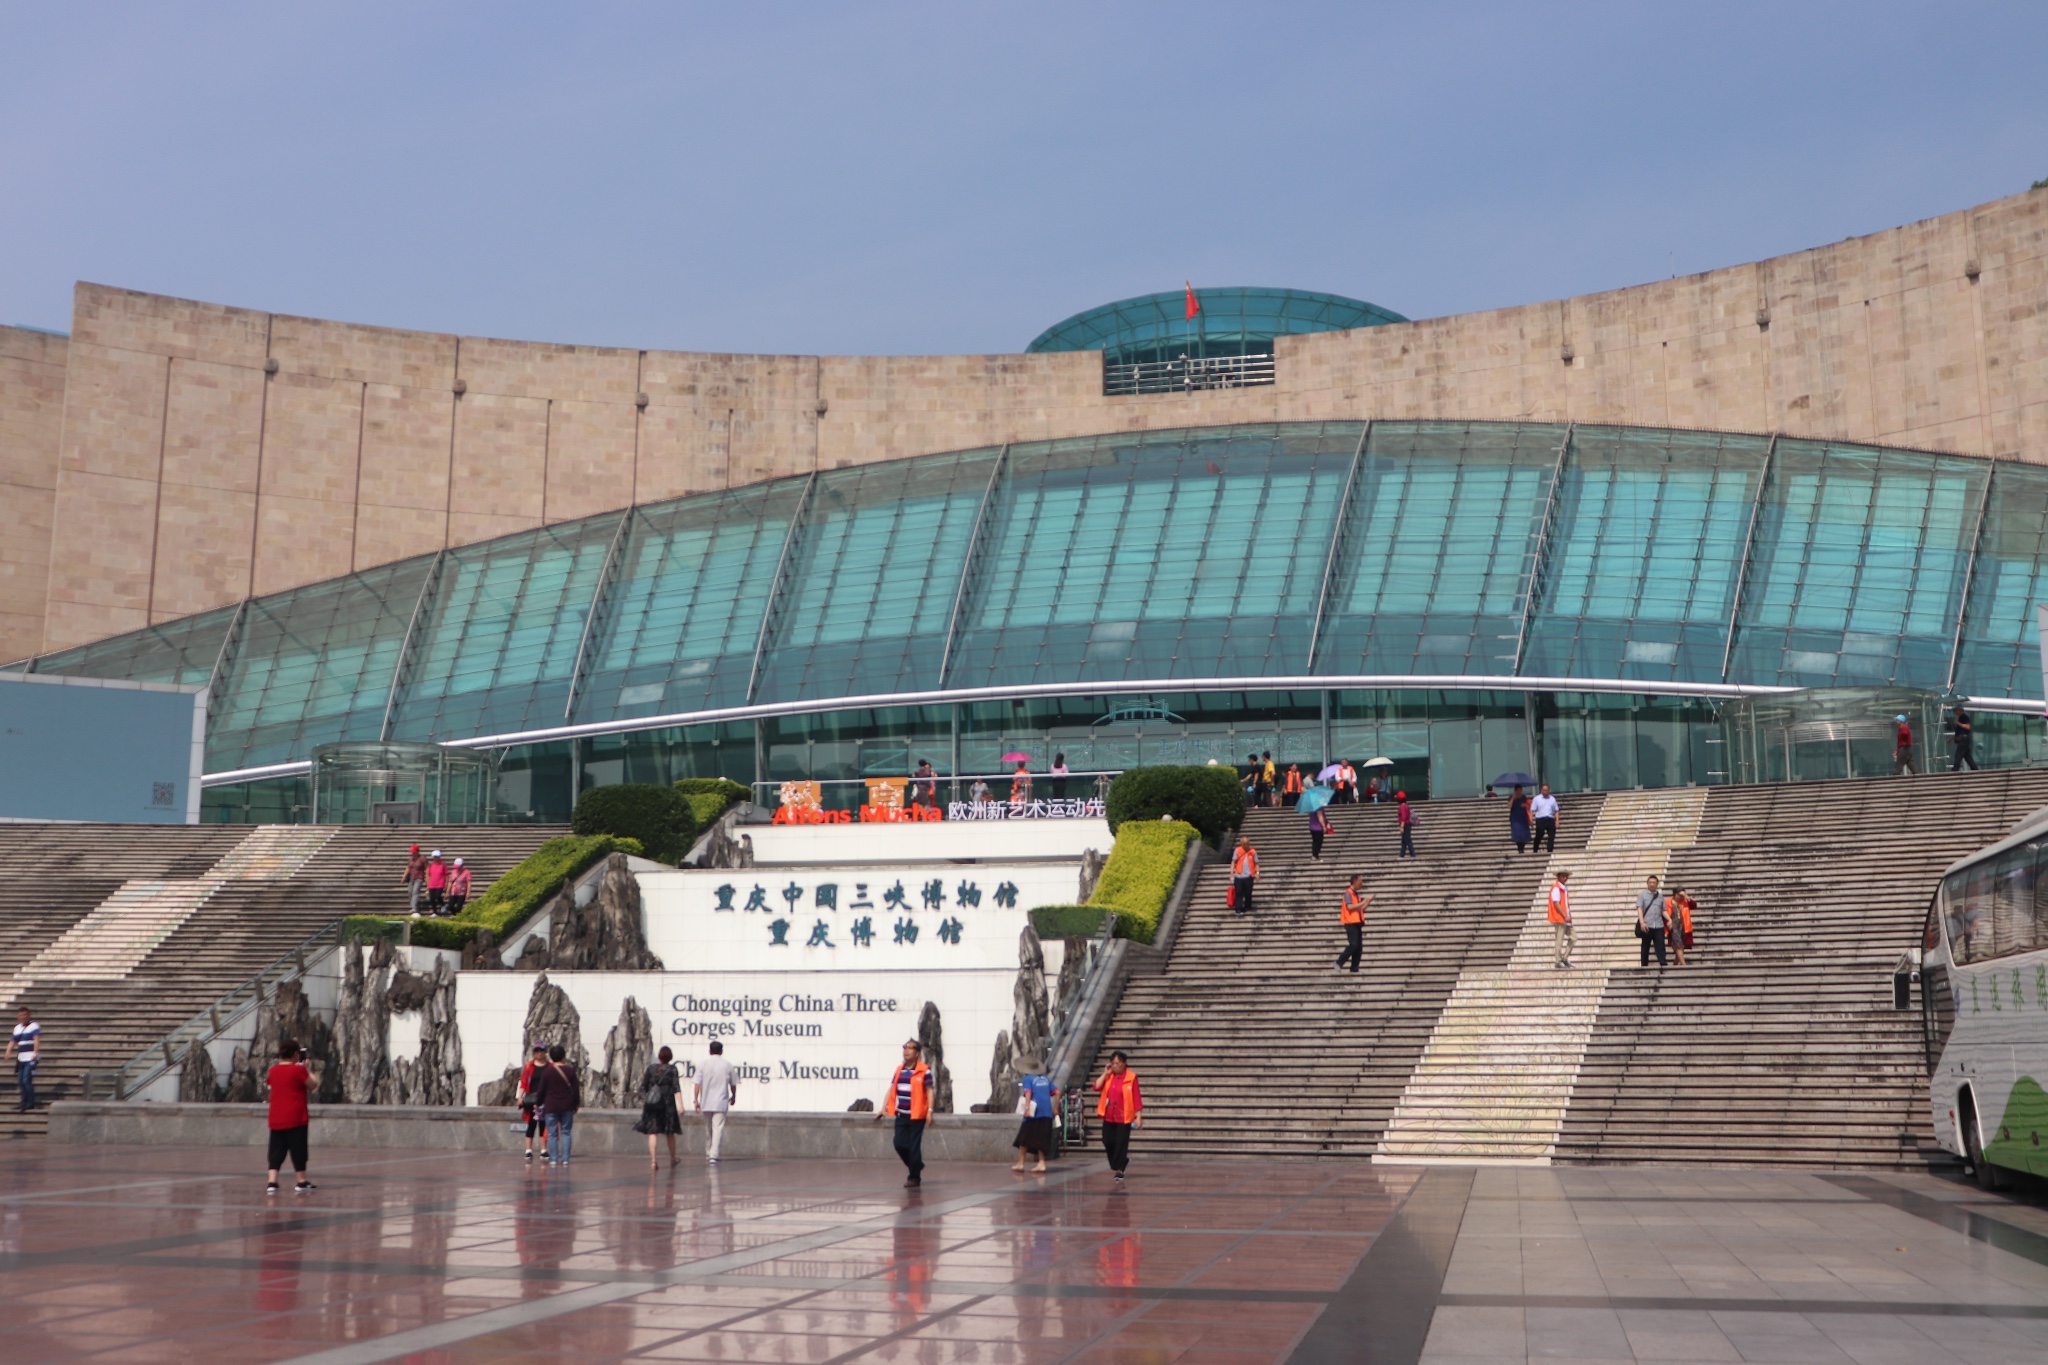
point(1020, 780)
point(1382, 769)
point(1316, 801)
point(1518, 819)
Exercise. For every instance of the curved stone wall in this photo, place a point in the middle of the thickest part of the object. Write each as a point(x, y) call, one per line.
point(207, 453)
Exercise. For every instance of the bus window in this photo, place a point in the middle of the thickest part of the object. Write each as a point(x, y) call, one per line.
point(1966, 900)
point(2012, 901)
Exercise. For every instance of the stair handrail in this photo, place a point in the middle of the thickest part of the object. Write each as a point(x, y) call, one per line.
point(1075, 1024)
point(229, 1009)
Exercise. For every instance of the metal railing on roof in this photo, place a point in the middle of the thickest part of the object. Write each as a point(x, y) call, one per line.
point(1188, 374)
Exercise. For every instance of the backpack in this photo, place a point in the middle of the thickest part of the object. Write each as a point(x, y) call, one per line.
point(653, 1092)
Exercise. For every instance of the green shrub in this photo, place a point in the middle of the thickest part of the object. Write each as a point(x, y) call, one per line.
point(711, 797)
point(659, 817)
point(1210, 799)
point(1138, 878)
point(511, 900)
point(1068, 921)
point(370, 928)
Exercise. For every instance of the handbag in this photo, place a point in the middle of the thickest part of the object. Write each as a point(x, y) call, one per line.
point(1230, 897)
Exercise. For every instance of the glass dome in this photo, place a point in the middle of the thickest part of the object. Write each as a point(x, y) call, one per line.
point(1232, 322)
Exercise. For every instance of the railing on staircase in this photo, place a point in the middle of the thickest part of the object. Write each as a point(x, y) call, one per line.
point(168, 1053)
point(1074, 1024)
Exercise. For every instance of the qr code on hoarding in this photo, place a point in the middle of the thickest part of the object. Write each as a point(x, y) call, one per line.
point(163, 793)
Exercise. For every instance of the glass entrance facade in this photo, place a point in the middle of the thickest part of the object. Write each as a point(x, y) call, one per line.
point(1460, 598)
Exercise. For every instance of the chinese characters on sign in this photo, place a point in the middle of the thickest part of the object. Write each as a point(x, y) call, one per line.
point(896, 900)
point(1075, 809)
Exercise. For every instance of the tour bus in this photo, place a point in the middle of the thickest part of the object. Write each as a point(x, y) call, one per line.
point(1984, 997)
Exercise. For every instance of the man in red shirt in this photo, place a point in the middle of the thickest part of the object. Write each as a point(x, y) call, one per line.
point(290, 1086)
point(1902, 752)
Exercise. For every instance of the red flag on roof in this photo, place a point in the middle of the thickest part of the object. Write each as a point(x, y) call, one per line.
point(1194, 306)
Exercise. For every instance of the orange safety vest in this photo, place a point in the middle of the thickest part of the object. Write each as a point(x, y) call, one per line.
point(1293, 780)
point(1354, 908)
point(1560, 904)
point(1245, 863)
point(920, 1092)
point(1131, 1100)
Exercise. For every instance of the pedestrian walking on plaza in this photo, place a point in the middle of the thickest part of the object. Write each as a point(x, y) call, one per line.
point(559, 1092)
point(1902, 751)
point(415, 877)
point(437, 883)
point(529, 1107)
point(1351, 914)
point(909, 1102)
point(1651, 911)
point(1965, 731)
point(1318, 826)
point(1518, 820)
point(1561, 921)
point(661, 1106)
point(1121, 1109)
point(1059, 777)
point(290, 1120)
point(1290, 791)
point(716, 1088)
point(1244, 874)
point(1036, 1095)
point(26, 1048)
point(1543, 810)
point(1406, 818)
point(1678, 910)
point(458, 888)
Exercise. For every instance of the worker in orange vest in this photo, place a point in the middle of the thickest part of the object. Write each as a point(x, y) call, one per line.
point(1293, 785)
point(1121, 1108)
point(1352, 916)
point(1244, 870)
point(1561, 920)
point(909, 1102)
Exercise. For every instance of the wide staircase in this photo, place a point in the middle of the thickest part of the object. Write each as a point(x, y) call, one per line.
point(1460, 1041)
point(116, 934)
point(1250, 1041)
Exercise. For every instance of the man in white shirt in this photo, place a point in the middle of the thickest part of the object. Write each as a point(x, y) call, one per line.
point(1543, 810)
point(713, 1099)
point(25, 1048)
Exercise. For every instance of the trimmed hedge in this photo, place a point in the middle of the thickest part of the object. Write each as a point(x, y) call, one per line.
point(1138, 878)
point(515, 897)
point(1068, 921)
point(1210, 799)
point(660, 818)
point(711, 797)
point(370, 928)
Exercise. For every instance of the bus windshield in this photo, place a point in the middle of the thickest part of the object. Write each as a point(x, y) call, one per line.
point(1998, 906)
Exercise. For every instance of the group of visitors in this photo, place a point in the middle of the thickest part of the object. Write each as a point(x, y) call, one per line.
point(1120, 1106)
point(551, 1094)
point(1661, 919)
point(1265, 785)
point(444, 885)
point(1962, 734)
point(1532, 820)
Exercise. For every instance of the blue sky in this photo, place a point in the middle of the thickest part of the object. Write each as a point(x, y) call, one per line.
point(954, 178)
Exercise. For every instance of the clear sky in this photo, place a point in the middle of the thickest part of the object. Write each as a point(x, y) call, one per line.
point(956, 177)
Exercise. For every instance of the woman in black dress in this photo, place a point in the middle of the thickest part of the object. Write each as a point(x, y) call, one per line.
point(660, 1108)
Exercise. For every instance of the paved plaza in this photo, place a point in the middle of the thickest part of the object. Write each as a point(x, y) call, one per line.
point(173, 1254)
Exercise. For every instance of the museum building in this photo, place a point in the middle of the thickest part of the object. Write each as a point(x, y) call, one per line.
point(1709, 530)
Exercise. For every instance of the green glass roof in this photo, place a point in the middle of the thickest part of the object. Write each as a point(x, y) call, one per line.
point(1282, 551)
point(1233, 321)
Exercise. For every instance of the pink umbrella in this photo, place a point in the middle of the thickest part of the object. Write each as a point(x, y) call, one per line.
point(1016, 758)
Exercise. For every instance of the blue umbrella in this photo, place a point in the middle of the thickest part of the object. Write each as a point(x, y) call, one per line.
point(1314, 799)
point(1513, 780)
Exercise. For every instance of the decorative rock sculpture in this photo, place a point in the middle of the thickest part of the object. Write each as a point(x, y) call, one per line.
point(604, 932)
point(931, 1038)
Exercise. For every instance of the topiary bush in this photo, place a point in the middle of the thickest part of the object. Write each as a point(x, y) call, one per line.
point(1139, 876)
point(659, 817)
point(1210, 799)
point(1068, 921)
point(515, 897)
point(711, 797)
